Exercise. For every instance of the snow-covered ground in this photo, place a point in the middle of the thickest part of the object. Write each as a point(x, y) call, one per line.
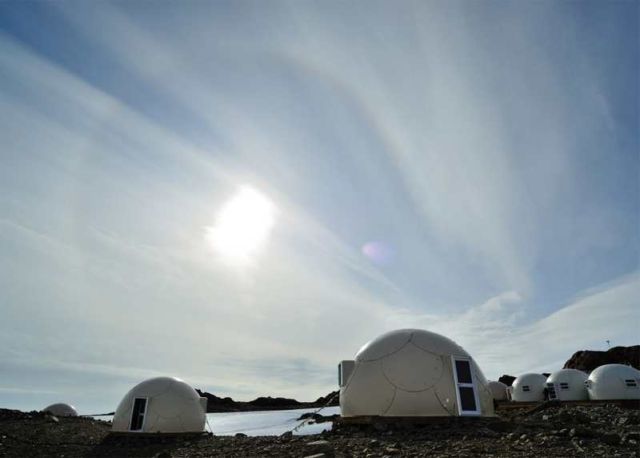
point(265, 423)
point(261, 423)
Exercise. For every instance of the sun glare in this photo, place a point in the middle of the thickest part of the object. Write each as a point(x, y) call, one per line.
point(243, 225)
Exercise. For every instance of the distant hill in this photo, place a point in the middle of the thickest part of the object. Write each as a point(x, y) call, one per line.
point(588, 360)
point(227, 404)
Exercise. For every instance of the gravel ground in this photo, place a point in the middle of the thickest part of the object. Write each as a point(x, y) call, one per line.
point(588, 431)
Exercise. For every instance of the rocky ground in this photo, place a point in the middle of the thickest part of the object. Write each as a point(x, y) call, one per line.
point(588, 431)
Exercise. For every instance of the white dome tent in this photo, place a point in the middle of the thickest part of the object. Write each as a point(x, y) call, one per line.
point(413, 373)
point(61, 409)
point(567, 385)
point(613, 382)
point(528, 388)
point(498, 390)
point(161, 405)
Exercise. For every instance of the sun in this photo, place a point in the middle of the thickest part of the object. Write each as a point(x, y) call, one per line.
point(242, 225)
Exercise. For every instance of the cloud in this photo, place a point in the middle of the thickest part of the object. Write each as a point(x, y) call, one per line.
point(387, 132)
point(503, 338)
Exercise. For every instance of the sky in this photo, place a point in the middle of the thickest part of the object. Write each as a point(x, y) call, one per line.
point(242, 194)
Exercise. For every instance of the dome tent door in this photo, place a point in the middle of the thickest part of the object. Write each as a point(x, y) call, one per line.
point(138, 413)
point(466, 390)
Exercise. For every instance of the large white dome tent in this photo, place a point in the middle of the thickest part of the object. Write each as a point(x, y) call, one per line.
point(413, 373)
point(567, 385)
point(61, 409)
point(498, 390)
point(528, 388)
point(161, 405)
point(613, 382)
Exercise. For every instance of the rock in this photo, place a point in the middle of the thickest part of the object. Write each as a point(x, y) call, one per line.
point(374, 443)
point(317, 455)
point(391, 451)
point(588, 360)
point(611, 438)
point(320, 446)
point(500, 426)
point(634, 435)
point(163, 455)
point(507, 379)
point(268, 401)
point(286, 435)
point(581, 432)
point(380, 426)
point(240, 435)
point(333, 397)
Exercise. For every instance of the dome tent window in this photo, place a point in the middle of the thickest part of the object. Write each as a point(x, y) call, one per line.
point(526, 388)
point(466, 393)
point(631, 383)
point(137, 415)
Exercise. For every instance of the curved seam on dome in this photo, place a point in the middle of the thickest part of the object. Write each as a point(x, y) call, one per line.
point(388, 354)
point(424, 389)
point(403, 389)
point(353, 374)
point(395, 391)
point(435, 391)
point(184, 429)
point(427, 351)
point(464, 352)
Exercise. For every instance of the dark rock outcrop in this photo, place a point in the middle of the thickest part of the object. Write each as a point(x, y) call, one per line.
point(227, 404)
point(333, 397)
point(588, 360)
point(269, 402)
point(507, 379)
point(217, 404)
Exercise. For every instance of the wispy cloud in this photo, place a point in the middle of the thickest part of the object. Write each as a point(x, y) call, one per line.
point(468, 141)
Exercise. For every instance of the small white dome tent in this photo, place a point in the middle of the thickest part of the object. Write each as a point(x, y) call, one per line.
point(567, 385)
point(528, 388)
point(498, 390)
point(61, 409)
point(413, 373)
point(161, 405)
point(613, 381)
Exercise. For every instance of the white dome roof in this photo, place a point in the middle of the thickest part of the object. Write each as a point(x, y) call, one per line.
point(498, 390)
point(410, 372)
point(528, 388)
point(61, 410)
point(567, 385)
point(161, 404)
point(614, 381)
point(393, 341)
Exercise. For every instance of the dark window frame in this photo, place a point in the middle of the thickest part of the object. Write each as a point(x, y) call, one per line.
point(138, 414)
